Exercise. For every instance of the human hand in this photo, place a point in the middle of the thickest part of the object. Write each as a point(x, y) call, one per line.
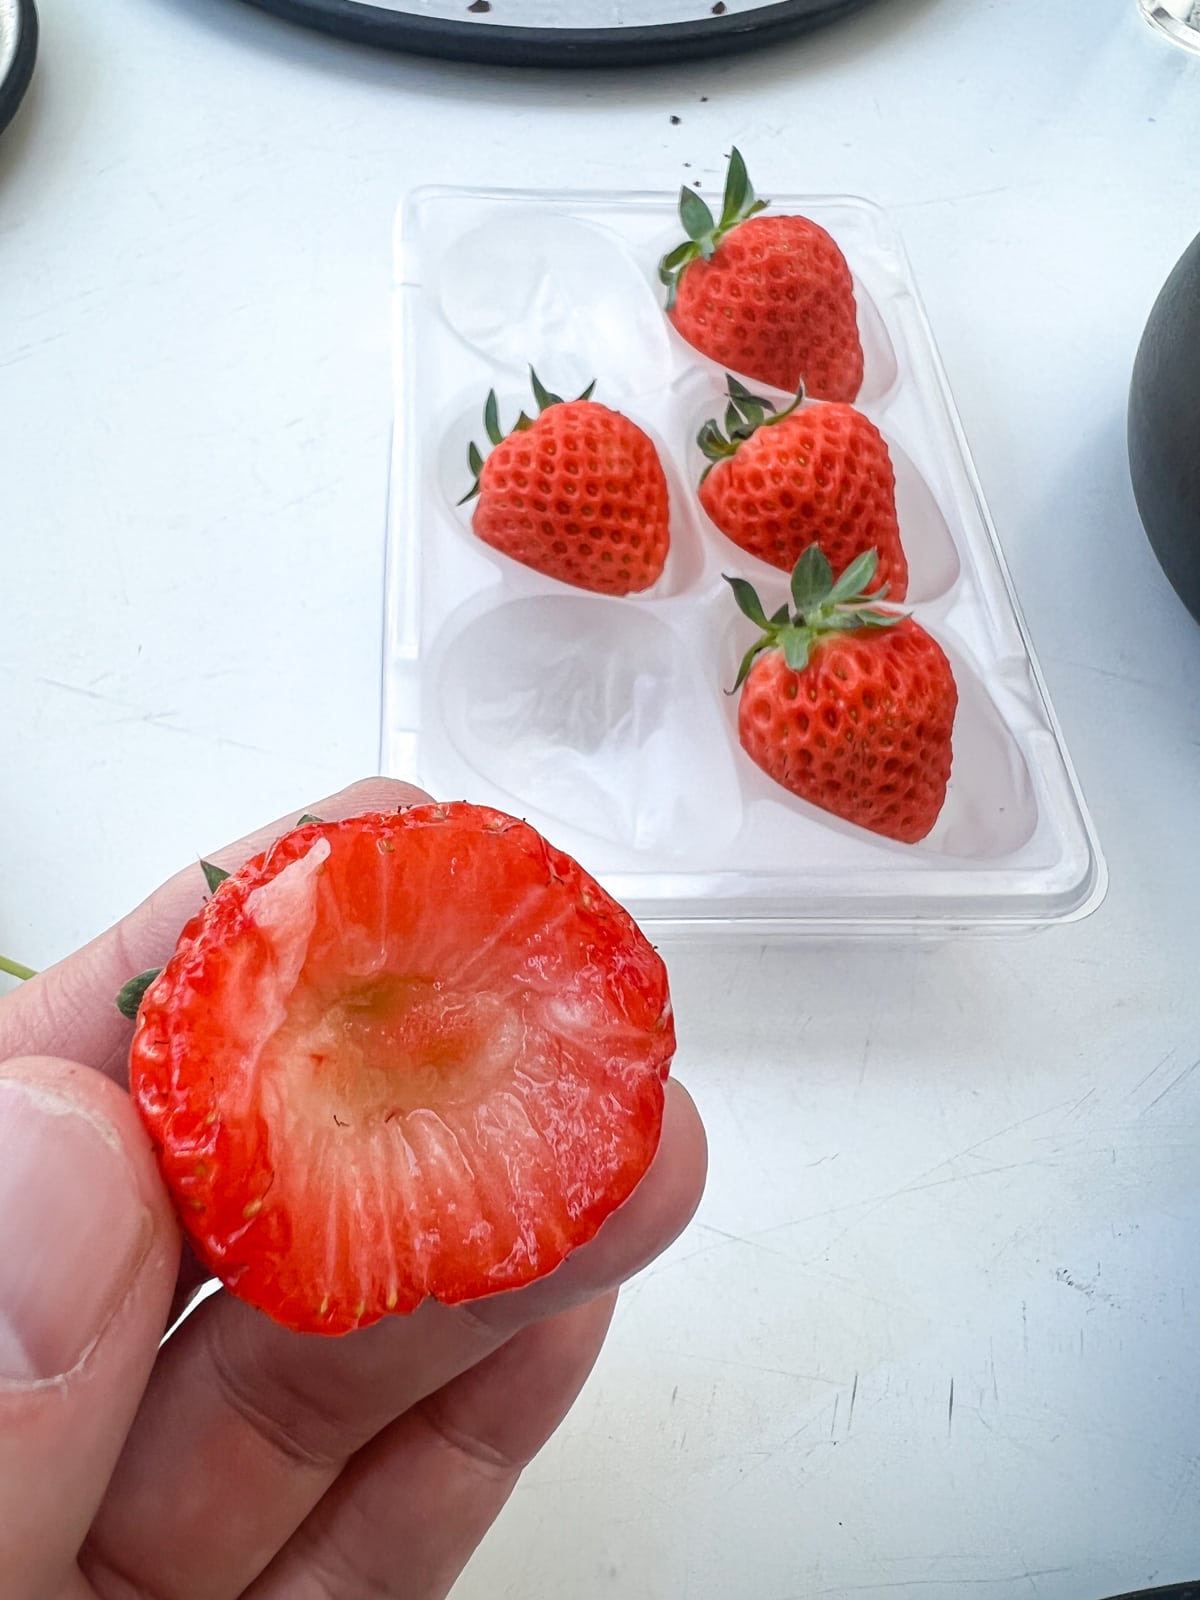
point(240, 1459)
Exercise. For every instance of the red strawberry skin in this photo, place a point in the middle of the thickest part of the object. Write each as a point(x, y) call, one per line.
point(864, 731)
point(776, 303)
point(406, 1055)
point(820, 476)
point(580, 496)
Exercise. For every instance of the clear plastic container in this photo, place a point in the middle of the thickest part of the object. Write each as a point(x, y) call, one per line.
point(606, 722)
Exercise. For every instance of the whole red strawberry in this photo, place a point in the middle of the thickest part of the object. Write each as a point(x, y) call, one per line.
point(813, 474)
point(577, 493)
point(406, 1055)
point(849, 707)
point(770, 297)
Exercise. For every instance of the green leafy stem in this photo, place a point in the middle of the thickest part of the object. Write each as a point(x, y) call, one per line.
point(745, 414)
point(496, 435)
point(704, 231)
point(821, 606)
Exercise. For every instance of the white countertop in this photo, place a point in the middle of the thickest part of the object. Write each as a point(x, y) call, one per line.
point(934, 1331)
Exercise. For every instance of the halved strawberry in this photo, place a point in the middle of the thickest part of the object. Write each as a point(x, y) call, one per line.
point(406, 1055)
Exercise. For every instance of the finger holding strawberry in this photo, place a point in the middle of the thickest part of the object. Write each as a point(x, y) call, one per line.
point(576, 492)
point(846, 705)
point(780, 481)
point(122, 1452)
point(771, 297)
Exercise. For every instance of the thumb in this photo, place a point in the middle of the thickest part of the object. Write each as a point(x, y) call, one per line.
point(89, 1252)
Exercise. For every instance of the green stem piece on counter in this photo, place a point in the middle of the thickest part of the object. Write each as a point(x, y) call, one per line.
point(15, 969)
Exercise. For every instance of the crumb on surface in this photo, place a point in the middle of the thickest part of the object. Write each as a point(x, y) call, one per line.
point(482, 5)
point(675, 121)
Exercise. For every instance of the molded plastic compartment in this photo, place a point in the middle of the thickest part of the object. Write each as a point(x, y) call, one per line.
point(606, 721)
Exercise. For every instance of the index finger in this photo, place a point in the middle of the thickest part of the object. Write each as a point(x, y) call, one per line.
point(70, 1009)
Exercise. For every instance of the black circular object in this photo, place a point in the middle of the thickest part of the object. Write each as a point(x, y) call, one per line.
point(18, 50)
point(710, 31)
point(1164, 429)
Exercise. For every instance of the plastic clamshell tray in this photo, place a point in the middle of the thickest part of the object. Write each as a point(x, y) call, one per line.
point(606, 721)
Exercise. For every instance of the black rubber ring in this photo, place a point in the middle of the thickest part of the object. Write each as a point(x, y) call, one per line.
point(16, 79)
point(497, 44)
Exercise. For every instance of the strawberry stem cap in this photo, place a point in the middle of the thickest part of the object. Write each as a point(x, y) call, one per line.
point(214, 876)
point(745, 414)
point(704, 231)
point(129, 998)
point(491, 425)
point(822, 606)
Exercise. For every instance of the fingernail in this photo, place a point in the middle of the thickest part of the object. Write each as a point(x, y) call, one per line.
point(73, 1230)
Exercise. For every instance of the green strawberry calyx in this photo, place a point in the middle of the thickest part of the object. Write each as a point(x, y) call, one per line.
point(131, 994)
point(822, 605)
point(704, 231)
point(491, 425)
point(745, 414)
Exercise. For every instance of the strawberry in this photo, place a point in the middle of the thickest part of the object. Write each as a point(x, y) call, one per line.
point(770, 297)
point(812, 474)
point(406, 1055)
point(577, 493)
point(849, 707)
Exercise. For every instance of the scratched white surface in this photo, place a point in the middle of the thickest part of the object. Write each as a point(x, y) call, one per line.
point(969, 1174)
